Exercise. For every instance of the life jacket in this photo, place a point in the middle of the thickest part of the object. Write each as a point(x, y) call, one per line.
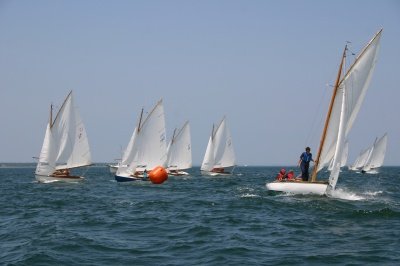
point(290, 175)
point(281, 174)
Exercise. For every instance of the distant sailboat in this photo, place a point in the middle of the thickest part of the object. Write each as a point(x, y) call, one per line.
point(360, 160)
point(114, 167)
point(348, 94)
point(147, 147)
point(65, 145)
point(376, 155)
point(219, 158)
point(179, 151)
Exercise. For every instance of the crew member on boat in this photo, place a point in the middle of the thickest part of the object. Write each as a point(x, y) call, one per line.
point(61, 172)
point(281, 175)
point(290, 175)
point(304, 163)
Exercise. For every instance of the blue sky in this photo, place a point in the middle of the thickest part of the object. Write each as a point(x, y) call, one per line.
point(266, 65)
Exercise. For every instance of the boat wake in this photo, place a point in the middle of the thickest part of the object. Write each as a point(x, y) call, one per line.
point(345, 195)
point(352, 196)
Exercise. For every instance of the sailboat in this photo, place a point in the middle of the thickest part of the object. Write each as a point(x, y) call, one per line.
point(147, 147)
point(219, 158)
point(360, 160)
point(347, 97)
point(376, 155)
point(65, 145)
point(179, 151)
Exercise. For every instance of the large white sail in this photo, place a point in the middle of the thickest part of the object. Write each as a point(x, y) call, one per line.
point(208, 161)
point(224, 153)
point(220, 152)
point(65, 145)
point(361, 159)
point(179, 149)
point(354, 85)
point(344, 157)
point(70, 135)
point(377, 155)
point(149, 146)
point(340, 143)
point(46, 164)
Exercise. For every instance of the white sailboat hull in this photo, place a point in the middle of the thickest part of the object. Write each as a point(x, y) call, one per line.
point(50, 179)
point(226, 171)
point(177, 173)
point(113, 168)
point(298, 187)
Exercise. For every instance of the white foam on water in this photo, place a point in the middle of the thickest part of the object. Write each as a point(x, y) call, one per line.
point(248, 195)
point(345, 195)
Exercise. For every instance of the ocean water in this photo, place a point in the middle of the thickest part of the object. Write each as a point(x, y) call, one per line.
point(197, 220)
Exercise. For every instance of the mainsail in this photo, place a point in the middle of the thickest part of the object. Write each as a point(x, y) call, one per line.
point(349, 93)
point(65, 144)
point(179, 149)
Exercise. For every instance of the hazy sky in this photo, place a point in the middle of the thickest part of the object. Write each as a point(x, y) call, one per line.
point(266, 65)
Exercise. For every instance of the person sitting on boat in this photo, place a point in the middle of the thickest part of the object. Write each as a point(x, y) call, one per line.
point(290, 175)
point(61, 172)
point(281, 175)
point(304, 163)
point(218, 170)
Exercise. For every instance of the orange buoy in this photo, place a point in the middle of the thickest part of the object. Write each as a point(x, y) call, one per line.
point(158, 175)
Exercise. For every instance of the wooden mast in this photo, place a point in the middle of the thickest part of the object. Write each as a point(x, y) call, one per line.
point(328, 117)
point(173, 136)
point(140, 119)
point(65, 101)
point(51, 115)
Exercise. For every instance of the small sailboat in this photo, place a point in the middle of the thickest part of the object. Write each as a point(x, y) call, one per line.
point(65, 145)
point(114, 167)
point(376, 155)
point(348, 94)
point(147, 147)
point(179, 151)
point(360, 160)
point(219, 158)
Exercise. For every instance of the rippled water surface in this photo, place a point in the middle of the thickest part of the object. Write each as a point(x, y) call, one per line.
point(197, 220)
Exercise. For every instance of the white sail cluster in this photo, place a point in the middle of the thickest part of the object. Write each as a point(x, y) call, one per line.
point(147, 147)
point(65, 144)
point(372, 157)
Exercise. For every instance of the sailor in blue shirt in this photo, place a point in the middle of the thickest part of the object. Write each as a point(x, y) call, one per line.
point(304, 163)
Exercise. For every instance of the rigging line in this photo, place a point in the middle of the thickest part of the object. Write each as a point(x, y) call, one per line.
point(85, 169)
point(312, 131)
